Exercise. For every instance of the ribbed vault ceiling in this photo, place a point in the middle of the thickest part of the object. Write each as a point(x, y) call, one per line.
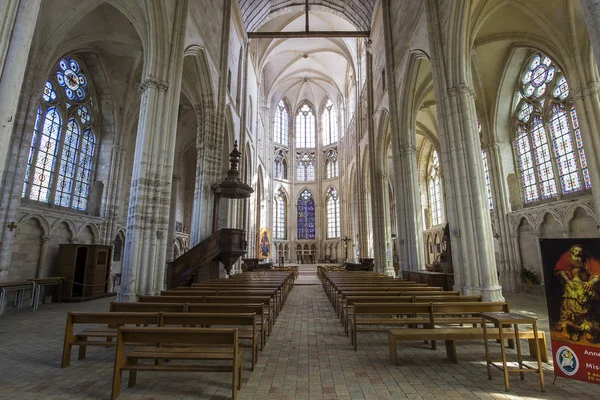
point(357, 12)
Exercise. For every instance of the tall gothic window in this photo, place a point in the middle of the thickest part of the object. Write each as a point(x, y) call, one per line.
point(333, 214)
point(306, 215)
point(331, 164)
point(280, 164)
point(60, 163)
point(279, 215)
point(486, 172)
point(434, 190)
point(281, 124)
point(305, 169)
point(305, 127)
point(330, 132)
point(548, 141)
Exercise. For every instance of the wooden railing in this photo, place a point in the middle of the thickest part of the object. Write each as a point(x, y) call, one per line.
point(201, 262)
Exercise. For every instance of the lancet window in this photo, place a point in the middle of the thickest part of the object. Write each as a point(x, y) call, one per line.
point(434, 190)
point(281, 124)
point(279, 215)
point(306, 215)
point(333, 214)
point(305, 167)
point(305, 127)
point(329, 123)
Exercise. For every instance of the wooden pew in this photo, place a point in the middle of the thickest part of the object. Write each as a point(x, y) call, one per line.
point(245, 323)
point(188, 344)
point(376, 316)
point(266, 300)
point(462, 313)
point(147, 307)
point(262, 318)
point(111, 319)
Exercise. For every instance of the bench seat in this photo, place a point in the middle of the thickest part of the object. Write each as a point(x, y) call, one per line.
point(452, 334)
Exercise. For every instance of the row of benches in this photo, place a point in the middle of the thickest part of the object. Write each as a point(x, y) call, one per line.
point(182, 326)
point(385, 305)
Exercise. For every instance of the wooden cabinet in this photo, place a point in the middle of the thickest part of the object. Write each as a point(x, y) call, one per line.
point(86, 269)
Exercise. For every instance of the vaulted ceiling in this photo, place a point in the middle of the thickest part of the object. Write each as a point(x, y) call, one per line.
point(257, 12)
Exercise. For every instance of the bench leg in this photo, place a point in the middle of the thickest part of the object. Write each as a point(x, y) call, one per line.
point(116, 386)
point(132, 374)
point(543, 350)
point(254, 351)
point(433, 345)
point(451, 351)
point(82, 351)
point(393, 349)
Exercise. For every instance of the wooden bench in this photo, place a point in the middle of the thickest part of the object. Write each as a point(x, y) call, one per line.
point(186, 344)
point(377, 316)
point(262, 319)
point(147, 307)
point(111, 319)
point(451, 334)
point(266, 300)
point(246, 324)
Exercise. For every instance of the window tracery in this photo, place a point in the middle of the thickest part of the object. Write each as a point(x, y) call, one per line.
point(280, 164)
point(305, 167)
point(60, 162)
point(331, 163)
point(548, 144)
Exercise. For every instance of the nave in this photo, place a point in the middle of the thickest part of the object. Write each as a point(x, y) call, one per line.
point(307, 356)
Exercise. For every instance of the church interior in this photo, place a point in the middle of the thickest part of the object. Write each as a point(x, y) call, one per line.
point(235, 147)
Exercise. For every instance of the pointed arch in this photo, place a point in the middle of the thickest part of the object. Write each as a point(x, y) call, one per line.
point(305, 126)
point(332, 201)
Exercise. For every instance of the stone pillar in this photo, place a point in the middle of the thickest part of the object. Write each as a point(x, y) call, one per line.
point(17, 24)
point(148, 217)
point(407, 192)
point(466, 199)
point(587, 104)
point(41, 269)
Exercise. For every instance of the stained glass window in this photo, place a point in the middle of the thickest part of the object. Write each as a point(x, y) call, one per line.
point(281, 124)
point(306, 215)
point(305, 127)
point(279, 215)
point(548, 140)
point(333, 214)
point(330, 132)
point(435, 190)
point(60, 163)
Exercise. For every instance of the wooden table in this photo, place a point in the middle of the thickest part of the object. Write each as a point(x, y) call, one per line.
point(20, 287)
point(501, 319)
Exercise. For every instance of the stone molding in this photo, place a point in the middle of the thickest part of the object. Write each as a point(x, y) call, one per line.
point(462, 89)
point(585, 91)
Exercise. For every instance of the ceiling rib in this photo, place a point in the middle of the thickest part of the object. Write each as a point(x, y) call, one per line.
point(307, 32)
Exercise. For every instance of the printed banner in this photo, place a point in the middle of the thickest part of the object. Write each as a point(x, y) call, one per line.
point(572, 275)
point(264, 244)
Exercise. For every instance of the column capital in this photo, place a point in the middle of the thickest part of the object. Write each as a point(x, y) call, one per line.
point(462, 89)
point(152, 82)
point(45, 239)
point(407, 149)
point(585, 91)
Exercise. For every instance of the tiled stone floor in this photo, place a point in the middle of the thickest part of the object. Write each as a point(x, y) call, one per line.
point(308, 356)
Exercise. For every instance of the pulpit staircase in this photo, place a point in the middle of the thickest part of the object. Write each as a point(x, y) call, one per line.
point(201, 262)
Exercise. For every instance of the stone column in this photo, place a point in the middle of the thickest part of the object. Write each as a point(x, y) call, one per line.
point(148, 217)
point(407, 192)
point(466, 199)
point(17, 24)
point(45, 239)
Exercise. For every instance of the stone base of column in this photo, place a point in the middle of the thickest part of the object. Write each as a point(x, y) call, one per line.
point(389, 271)
point(493, 293)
